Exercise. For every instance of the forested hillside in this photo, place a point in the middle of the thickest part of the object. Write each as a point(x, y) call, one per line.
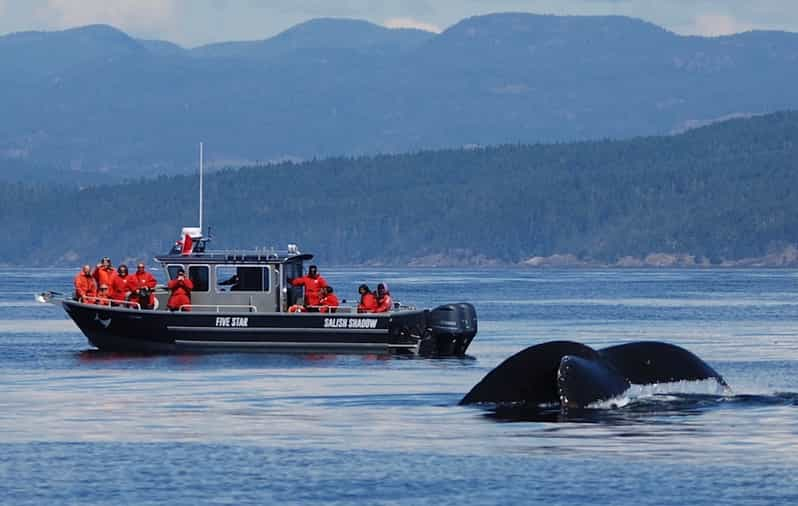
point(726, 191)
point(96, 100)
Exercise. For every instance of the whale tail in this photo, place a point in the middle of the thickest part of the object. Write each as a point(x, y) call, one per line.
point(575, 375)
point(646, 363)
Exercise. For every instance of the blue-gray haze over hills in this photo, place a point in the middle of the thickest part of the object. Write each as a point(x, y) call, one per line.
point(94, 99)
point(724, 194)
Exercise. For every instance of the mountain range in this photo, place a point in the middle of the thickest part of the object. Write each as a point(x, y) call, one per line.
point(93, 103)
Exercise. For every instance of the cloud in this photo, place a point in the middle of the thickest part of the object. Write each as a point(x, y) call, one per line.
point(411, 23)
point(147, 16)
point(717, 24)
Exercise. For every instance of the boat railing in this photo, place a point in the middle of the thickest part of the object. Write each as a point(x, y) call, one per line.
point(332, 309)
point(102, 301)
point(218, 308)
point(353, 309)
point(237, 255)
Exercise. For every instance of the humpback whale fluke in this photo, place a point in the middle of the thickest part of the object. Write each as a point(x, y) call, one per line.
point(574, 375)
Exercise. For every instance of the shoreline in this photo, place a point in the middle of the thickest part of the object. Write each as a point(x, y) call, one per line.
point(786, 259)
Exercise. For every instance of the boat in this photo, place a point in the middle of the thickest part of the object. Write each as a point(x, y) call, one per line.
point(256, 313)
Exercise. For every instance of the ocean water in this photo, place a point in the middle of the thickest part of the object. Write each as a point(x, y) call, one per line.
point(82, 427)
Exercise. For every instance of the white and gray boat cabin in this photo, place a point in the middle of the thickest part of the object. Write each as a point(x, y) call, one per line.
point(235, 281)
point(242, 301)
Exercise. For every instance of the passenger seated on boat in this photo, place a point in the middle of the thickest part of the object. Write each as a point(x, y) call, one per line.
point(329, 301)
point(384, 301)
point(103, 297)
point(85, 286)
point(368, 302)
point(181, 288)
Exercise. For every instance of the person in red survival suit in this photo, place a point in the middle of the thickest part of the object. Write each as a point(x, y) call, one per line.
point(103, 297)
point(329, 301)
point(85, 286)
point(384, 301)
point(142, 282)
point(104, 272)
point(368, 302)
point(122, 284)
point(181, 288)
point(313, 283)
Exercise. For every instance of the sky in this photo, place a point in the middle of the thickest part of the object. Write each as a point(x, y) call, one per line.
point(192, 23)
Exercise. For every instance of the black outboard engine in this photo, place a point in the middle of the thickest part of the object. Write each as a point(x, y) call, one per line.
point(450, 329)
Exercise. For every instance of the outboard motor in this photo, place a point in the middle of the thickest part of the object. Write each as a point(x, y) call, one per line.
point(451, 328)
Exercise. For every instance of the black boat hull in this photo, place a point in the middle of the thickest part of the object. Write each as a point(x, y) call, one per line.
point(121, 329)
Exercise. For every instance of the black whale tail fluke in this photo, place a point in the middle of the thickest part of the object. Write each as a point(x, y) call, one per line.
point(575, 375)
point(581, 382)
point(646, 363)
point(529, 376)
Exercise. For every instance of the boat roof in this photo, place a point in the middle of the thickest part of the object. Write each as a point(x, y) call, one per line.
point(191, 248)
point(234, 257)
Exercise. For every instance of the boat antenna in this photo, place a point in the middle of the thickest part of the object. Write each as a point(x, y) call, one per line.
point(200, 187)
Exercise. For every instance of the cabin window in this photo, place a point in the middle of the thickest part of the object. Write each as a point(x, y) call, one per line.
point(171, 271)
point(293, 270)
point(198, 274)
point(242, 278)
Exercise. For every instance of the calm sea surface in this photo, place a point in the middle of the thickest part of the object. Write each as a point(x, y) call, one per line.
point(81, 427)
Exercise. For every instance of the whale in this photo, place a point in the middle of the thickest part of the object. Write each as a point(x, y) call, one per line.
point(575, 375)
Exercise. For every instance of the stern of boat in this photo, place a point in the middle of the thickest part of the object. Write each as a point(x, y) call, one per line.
point(450, 330)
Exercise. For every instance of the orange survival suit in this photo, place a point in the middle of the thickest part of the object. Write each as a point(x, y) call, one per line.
point(181, 293)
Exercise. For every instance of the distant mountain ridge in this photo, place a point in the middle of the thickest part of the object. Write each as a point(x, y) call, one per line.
point(325, 33)
point(95, 100)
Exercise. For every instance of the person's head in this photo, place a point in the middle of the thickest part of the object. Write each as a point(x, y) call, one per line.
point(363, 289)
point(103, 289)
point(313, 271)
point(86, 270)
point(181, 273)
point(382, 288)
point(106, 261)
point(140, 267)
point(122, 270)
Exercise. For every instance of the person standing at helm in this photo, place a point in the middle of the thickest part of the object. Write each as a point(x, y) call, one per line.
point(104, 272)
point(384, 301)
point(181, 288)
point(313, 284)
point(368, 302)
point(85, 286)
